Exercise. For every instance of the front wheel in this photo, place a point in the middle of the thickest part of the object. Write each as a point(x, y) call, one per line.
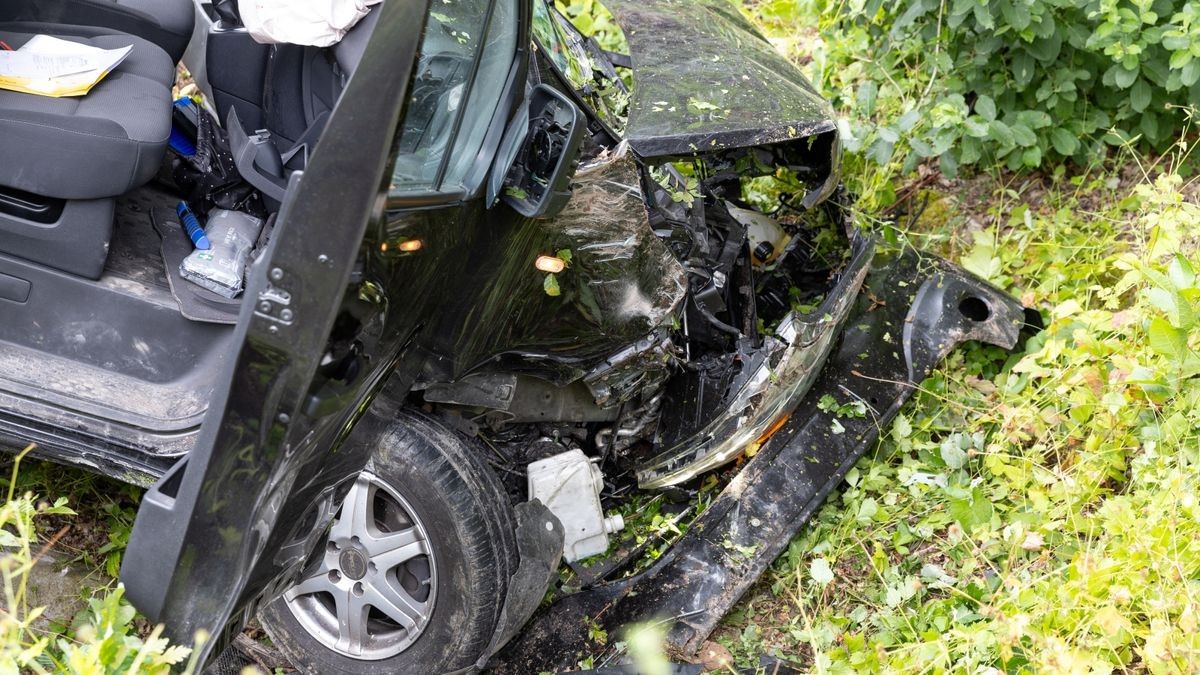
point(415, 568)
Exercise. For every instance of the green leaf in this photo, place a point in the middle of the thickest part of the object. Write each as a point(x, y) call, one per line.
point(820, 571)
point(1125, 77)
point(954, 456)
point(1046, 49)
point(920, 147)
point(881, 151)
point(564, 254)
point(1016, 13)
point(867, 92)
point(982, 260)
point(1140, 95)
point(1001, 133)
point(983, 17)
point(986, 107)
point(1022, 68)
point(972, 511)
point(1023, 135)
point(1064, 141)
point(550, 285)
point(948, 163)
point(1181, 274)
point(1168, 340)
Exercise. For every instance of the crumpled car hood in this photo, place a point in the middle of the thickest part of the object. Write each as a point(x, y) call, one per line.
point(705, 79)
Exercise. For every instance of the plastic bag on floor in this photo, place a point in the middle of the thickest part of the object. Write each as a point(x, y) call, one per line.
point(320, 23)
point(222, 267)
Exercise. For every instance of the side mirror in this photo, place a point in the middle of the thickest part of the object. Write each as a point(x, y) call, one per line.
point(538, 155)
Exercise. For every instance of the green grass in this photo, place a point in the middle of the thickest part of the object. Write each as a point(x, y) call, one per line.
point(1034, 512)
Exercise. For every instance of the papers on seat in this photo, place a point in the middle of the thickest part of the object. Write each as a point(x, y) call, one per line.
point(48, 66)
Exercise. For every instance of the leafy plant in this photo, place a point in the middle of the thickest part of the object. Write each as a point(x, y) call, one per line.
point(103, 638)
point(1035, 512)
point(1022, 83)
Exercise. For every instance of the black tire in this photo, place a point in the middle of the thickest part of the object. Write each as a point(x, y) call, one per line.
point(471, 529)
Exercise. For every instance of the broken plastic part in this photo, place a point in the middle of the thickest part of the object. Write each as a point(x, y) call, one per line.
point(569, 484)
point(771, 389)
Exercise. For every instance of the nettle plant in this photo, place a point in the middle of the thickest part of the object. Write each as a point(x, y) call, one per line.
point(1011, 82)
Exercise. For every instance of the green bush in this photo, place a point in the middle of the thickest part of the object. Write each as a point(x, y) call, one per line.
point(1015, 82)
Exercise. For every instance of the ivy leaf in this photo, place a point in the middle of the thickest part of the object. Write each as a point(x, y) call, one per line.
point(550, 285)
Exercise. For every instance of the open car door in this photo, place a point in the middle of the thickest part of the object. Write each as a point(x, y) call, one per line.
point(224, 527)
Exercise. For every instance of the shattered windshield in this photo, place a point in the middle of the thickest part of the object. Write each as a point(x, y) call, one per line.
point(583, 64)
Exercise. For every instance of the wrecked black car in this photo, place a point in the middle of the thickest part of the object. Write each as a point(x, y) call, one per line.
point(504, 280)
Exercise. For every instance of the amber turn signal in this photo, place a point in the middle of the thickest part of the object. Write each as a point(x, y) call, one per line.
point(548, 263)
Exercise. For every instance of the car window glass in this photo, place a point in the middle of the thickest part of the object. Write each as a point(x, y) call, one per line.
point(499, 45)
point(457, 34)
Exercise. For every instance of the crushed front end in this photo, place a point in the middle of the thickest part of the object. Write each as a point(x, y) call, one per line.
point(705, 296)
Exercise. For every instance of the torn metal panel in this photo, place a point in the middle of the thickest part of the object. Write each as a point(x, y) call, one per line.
point(622, 283)
point(705, 79)
point(915, 311)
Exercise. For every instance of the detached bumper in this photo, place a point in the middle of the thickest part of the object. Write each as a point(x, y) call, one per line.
point(912, 312)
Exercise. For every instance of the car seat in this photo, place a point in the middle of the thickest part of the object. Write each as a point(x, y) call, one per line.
point(166, 23)
point(63, 161)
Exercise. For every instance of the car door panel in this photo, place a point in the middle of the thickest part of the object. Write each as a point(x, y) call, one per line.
point(222, 527)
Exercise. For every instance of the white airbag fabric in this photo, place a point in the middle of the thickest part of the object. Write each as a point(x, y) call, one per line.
point(320, 23)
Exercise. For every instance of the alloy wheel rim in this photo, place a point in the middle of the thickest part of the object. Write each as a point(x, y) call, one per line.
point(371, 593)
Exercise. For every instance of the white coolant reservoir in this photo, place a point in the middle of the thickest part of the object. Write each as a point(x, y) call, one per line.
point(767, 237)
point(569, 484)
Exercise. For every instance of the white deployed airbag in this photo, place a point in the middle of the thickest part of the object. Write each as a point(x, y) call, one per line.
point(320, 23)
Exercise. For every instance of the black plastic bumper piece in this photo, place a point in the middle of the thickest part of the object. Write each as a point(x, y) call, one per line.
point(913, 311)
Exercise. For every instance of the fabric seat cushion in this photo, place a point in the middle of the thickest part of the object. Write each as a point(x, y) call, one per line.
point(99, 145)
point(166, 23)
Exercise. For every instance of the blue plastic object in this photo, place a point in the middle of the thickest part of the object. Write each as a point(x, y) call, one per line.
point(192, 225)
point(184, 118)
point(181, 143)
